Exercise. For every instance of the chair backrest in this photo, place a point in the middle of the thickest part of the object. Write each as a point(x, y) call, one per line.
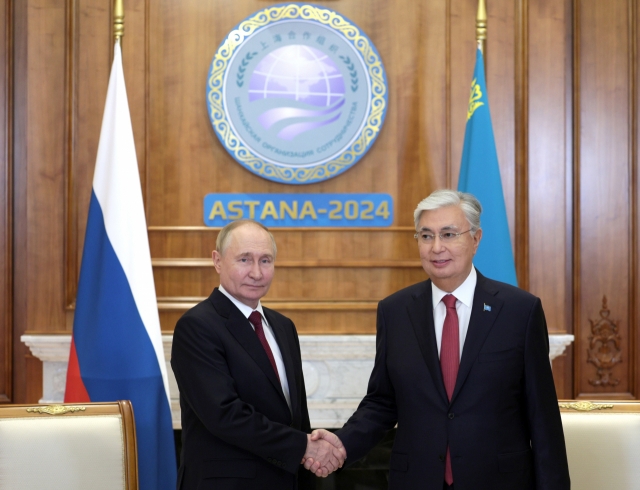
point(603, 443)
point(68, 447)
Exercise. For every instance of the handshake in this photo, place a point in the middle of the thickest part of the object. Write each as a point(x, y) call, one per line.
point(325, 453)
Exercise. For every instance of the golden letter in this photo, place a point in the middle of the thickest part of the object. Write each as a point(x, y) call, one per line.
point(308, 210)
point(217, 210)
point(252, 208)
point(284, 207)
point(269, 210)
point(235, 207)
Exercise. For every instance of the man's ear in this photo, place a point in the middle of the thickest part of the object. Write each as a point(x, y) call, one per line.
point(476, 240)
point(217, 258)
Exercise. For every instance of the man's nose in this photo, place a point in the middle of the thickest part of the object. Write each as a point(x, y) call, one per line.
point(437, 246)
point(256, 271)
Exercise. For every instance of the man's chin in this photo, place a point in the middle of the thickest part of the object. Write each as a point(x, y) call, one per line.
point(255, 292)
point(438, 273)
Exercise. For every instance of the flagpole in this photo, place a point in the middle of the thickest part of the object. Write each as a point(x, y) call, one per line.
point(118, 20)
point(481, 29)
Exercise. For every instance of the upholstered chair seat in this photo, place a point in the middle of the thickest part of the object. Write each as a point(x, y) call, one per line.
point(603, 444)
point(68, 447)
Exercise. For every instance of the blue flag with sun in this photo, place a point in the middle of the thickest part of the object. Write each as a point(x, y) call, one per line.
point(480, 176)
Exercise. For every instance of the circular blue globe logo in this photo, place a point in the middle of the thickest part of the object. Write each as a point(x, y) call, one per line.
point(297, 93)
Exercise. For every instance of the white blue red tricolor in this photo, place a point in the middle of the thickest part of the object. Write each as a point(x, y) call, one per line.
point(116, 349)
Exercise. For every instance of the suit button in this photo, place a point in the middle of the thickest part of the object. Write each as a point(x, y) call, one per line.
point(451, 415)
point(441, 457)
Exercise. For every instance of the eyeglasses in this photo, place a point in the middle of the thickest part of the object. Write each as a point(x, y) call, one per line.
point(430, 238)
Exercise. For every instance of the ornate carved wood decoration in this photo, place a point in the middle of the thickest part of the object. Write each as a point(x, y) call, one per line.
point(604, 348)
point(585, 406)
point(56, 409)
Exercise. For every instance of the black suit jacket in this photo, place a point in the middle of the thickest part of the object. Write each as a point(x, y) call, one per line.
point(502, 425)
point(237, 429)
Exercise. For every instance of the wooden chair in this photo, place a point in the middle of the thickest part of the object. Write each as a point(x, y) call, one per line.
point(68, 447)
point(603, 443)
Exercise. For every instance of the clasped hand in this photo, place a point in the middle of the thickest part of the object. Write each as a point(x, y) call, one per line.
point(325, 453)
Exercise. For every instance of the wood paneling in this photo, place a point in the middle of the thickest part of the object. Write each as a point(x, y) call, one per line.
point(89, 54)
point(549, 42)
point(634, 17)
point(562, 78)
point(605, 225)
point(6, 104)
point(39, 174)
point(562, 371)
point(521, 139)
point(501, 66)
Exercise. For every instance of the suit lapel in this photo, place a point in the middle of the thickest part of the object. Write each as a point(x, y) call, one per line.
point(480, 324)
point(241, 329)
point(286, 349)
point(421, 315)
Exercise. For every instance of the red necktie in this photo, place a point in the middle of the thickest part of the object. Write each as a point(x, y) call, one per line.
point(450, 361)
point(256, 319)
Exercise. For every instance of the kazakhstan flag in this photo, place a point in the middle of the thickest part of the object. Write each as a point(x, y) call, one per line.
point(480, 175)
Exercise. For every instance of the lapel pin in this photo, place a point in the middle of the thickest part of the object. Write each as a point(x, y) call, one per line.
point(486, 307)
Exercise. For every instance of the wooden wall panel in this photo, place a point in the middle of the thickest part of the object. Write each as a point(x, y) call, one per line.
point(39, 163)
point(6, 104)
point(462, 56)
point(90, 48)
point(184, 41)
point(549, 164)
point(90, 54)
point(407, 161)
point(549, 31)
point(350, 270)
point(563, 86)
point(412, 156)
point(501, 67)
point(20, 95)
point(299, 244)
point(338, 283)
point(605, 206)
point(634, 16)
point(420, 104)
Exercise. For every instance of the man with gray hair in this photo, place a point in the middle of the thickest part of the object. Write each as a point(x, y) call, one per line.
point(462, 369)
point(245, 423)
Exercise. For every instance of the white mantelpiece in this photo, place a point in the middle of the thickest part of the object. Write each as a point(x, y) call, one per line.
point(336, 371)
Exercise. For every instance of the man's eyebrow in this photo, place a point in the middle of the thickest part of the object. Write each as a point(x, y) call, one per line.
point(448, 227)
point(249, 254)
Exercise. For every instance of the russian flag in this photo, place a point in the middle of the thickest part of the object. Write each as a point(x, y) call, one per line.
point(116, 348)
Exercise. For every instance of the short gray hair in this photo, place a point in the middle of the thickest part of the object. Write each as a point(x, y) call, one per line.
point(225, 234)
point(441, 198)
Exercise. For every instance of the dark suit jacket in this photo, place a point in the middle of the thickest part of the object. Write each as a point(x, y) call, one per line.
point(503, 424)
point(237, 429)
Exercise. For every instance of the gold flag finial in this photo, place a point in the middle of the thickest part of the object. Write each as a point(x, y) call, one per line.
point(481, 26)
point(118, 20)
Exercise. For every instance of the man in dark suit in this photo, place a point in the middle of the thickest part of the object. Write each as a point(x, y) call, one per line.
point(462, 368)
point(245, 422)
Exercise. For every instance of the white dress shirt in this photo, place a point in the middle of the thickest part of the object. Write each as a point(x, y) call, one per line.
point(271, 340)
point(464, 300)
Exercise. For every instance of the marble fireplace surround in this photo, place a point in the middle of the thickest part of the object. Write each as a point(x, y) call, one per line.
point(336, 371)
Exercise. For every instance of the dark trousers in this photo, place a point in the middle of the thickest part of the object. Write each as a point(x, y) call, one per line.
point(447, 487)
